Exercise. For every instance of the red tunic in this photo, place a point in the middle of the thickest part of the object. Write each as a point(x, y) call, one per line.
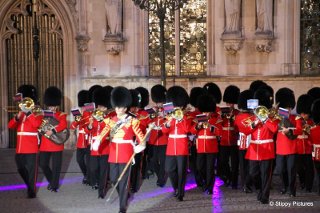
point(206, 139)
point(229, 135)
point(46, 144)
point(121, 145)
point(315, 140)
point(96, 130)
point(27, 132)
point(304, 145)
point(242, 124)
point(178, 140)
point(261, 146)
point(284, 145)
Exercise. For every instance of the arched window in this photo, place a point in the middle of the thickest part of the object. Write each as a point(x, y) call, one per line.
point(185, 41)
point(310, 37)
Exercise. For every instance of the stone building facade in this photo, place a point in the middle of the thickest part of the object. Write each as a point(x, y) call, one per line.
point(96, 51)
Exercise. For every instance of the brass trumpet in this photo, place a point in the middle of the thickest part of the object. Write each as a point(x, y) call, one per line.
point(98, 114)
point(177, 114)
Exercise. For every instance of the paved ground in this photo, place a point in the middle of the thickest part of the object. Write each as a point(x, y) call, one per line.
point(75, 197)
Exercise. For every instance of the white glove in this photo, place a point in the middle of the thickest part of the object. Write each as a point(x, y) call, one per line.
point(139, 148)
point(95, 145)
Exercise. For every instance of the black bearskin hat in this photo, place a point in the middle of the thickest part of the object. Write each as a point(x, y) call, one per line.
point(285, 98)
point(270, 89)
point(244, 96)
point(214, 90)
point(315, 111)
point(28, 91)
point(120, 97)
point(178, 96)
point(195, 93)
point(255, 85)
point(304, 104)
point(91, 90)
point(136, 98)
point(264, 97)
point(52, 96)
point(101, 97)
point(231, 94)
point(108, 89)
point(314, 92)
point(158, 93)
point(83, 97)
point(144, 96)
point(206, 103)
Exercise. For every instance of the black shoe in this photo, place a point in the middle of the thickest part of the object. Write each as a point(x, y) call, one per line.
point(283, 191)
point(49, 187)
point(95, 187)
point(122, 211)
point(234, 187)
point(133, 190)
point(85, 181)
point(292, 194)
point(31, 195)
point(54, 190)
point(161, 184)
point(302, 186)
point(101, 196)
point(209, 192)
point(247, 189)
point(308, 190)
point(180, 198)
point(175, 193)
point(263, 201)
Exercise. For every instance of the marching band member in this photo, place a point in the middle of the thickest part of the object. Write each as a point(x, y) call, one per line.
point(158, 141)
point(99, 166)
point(177, 148)
point(242, 124)
point(122, 129)
point(207, 132)
point(27, 123)
point(195, 93)
point(83, 149)
point(305, 168)
point(228, 145)
point(144, 118)
point(48, 149)
point(261, 150)
point(286, 144)
point(315, 138)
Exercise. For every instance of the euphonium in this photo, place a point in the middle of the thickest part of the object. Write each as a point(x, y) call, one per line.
point(262, 113)
point(27, 104)
point(177, 114)
point(98, 115)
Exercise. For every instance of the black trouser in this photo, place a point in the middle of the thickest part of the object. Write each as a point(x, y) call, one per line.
point(263, 170)
point(122, 188)
point(52, 175)
point(82, 160)
point(231, 152)
point(158, 163)
point(317, 167)
point(193, 165)
point(94, 170)
point(27, 165)
point(135, 176)
point(305, 170)
point(176, 167)
point(246, 179)
point(205, 167)
point(287, 168)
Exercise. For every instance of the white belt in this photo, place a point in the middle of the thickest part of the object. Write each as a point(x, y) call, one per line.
point(119, 140)
point(207, 137)
point(82, 131)
point(177, 136)
point(28, 133)
point(316, 145)
point(157, 128)
point(302, 137)
point(227, 128)
point(261, 141)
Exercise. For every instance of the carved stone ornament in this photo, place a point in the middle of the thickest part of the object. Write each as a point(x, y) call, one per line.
point(82, 41)
point(232, 42)
point(114, 44)
point(264, 42)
